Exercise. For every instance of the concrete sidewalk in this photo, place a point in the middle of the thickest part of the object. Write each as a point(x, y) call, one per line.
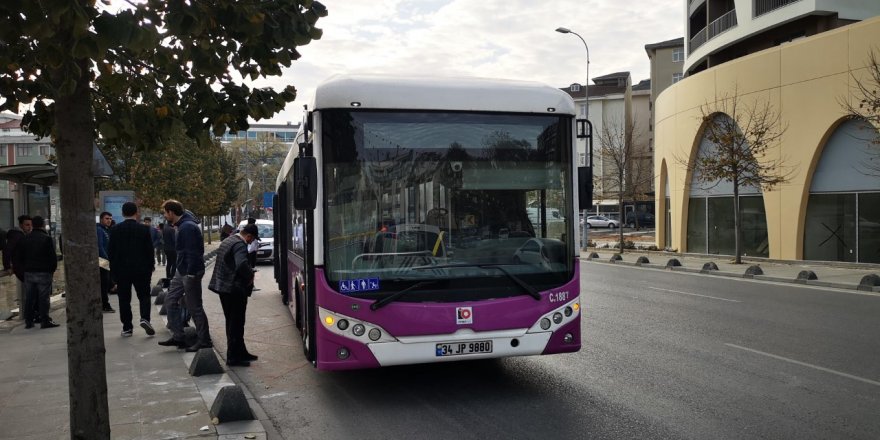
point(150, 392)
point(862, 277)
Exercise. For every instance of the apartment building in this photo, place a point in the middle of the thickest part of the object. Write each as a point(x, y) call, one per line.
point(614, 104)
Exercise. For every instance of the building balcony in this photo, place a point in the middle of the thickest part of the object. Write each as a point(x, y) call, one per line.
point(764, 6)
point(715, 28)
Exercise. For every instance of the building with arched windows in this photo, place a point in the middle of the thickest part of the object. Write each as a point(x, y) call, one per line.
point(829, 208)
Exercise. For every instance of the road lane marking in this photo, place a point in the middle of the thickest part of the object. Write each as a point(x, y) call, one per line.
point(804, 364)
point(693, 294)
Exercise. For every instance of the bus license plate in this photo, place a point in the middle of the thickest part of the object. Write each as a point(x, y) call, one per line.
point(459, 348)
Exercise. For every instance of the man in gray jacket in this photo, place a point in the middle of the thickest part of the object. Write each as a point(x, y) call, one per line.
point(233, 280)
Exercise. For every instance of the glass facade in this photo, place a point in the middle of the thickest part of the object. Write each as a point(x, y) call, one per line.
point(696, 238)
point(711, 226)
point(843, 227)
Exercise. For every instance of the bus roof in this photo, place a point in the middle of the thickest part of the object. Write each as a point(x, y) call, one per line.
point(440, 93)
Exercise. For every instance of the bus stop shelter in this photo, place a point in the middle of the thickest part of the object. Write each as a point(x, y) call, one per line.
point(32, 184)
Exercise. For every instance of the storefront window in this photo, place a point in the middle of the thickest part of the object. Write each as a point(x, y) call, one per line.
point(829, 232)
point(721, 232)
point(696, 236)
point(869, 228)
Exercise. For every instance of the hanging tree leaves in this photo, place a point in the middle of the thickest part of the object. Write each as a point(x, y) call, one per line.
point(134, 77)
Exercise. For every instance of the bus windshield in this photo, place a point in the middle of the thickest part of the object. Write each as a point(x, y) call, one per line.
point(414, 196)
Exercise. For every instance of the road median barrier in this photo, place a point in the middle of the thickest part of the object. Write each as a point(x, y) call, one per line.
point(870, 283)
point(205, 362)
point(231, 405)
point(709, 266)
point(753, 270)
point(615, 258)
point(642, 260)
point(673, 262)
point(806, 275)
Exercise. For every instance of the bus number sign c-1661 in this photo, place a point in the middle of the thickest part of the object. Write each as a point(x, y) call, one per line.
point(460, 348)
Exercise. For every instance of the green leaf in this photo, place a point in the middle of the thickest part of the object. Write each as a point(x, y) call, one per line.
point(108, 130)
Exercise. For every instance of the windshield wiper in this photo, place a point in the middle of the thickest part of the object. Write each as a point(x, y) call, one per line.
point(519, 282)
point(382, 302)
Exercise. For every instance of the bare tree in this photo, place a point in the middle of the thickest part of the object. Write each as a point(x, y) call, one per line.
point(742, 133)
point(866, 107)
point(628, 171)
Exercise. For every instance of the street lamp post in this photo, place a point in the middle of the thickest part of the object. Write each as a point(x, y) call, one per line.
point(587, 156)
point(263, 185)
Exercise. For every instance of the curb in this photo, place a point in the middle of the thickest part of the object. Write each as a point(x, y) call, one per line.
point(744, 275)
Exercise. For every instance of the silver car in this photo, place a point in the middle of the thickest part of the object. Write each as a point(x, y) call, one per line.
point(600, 221)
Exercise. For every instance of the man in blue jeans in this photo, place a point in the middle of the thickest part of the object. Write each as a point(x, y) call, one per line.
point(35, 255)
point(187, 282)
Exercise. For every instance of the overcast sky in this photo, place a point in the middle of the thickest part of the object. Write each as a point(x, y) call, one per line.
point(513, 39)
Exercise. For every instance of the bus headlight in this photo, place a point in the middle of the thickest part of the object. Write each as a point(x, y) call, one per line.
point(342, 324)
point(358, 329)
point(545, 323)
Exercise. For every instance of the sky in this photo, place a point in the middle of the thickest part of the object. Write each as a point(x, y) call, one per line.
point(510, 39)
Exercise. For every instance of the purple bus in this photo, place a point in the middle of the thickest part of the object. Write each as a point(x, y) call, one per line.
point(431, 220)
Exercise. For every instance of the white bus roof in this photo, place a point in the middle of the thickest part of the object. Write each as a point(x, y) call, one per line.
point(440, 93)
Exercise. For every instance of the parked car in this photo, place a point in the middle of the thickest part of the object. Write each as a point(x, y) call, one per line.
point(266, 229)
point(646, 219)
point(600, 221)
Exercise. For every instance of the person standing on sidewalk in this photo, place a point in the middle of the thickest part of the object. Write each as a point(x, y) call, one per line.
point(35, 257)
point(103, 230)
point(169, 246)
point(233, 280)
point(156, 237)
point(253, 246)
point(131, 264)
point(13, 237)
point(187, 283)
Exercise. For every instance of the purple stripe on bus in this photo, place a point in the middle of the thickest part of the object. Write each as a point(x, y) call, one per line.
point(424, 318)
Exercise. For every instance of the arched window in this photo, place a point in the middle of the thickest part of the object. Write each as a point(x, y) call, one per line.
point(843, 211)
point(710, 215)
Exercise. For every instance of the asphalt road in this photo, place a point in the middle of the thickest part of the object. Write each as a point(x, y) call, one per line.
point(666, 355)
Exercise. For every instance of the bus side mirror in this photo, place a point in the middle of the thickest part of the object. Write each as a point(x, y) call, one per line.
point(305, 183)
point(585, 187)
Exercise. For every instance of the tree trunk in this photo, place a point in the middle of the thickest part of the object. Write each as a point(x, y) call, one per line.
point(622, 219)
point(87, 378)
point(736, 222)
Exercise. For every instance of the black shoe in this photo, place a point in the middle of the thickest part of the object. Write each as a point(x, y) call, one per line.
point(28, 325)
point(49, 324)
point(238, 363)
point(250, 357)
point(198, 346)
point(147, 327)
point(173, 343)
point(108, 309)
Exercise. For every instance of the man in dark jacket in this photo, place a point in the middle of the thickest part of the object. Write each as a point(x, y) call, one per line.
point(233, 280)
point(131, 264)
point(35, 257)
point(187, 283)
point(13, 237)
point(156, 235)
point(102, 228)
point(169, 242)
